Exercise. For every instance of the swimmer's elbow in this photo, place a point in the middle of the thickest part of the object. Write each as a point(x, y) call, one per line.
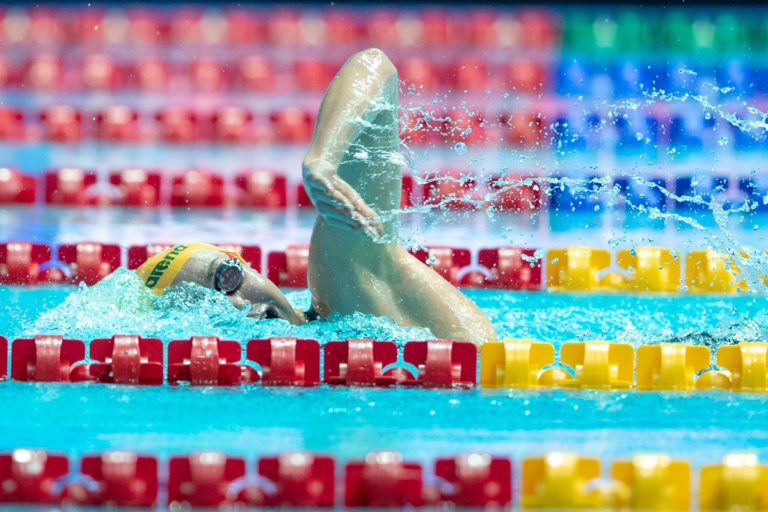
point(376, 60)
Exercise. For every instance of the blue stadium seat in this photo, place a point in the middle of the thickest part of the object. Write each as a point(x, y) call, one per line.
point(705, 188)
point(566, 199)
point(639, 194)
point(573, 78)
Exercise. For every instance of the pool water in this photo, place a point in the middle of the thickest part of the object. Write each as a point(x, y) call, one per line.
point(613, 109)
point(348, 422)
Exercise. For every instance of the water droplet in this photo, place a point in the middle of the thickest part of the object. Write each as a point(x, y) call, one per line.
point(460, 148)
point(639, 136)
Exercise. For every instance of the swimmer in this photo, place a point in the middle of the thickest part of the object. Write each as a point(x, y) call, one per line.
point(352, 173)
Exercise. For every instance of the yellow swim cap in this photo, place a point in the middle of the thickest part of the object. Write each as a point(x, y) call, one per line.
point(159, 271)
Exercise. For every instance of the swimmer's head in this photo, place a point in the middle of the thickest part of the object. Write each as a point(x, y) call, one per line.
point(206, 265)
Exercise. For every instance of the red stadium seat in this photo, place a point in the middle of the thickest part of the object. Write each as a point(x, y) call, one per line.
point(68, 186)
point(527, 76)
point(44, 72)
point(453, 189)
point(408, 196)
point(250, 253)
point(342, 27)
point(208, 361)
point(475, 481)
point(177, 125)
point(255, 73)
point(538, 28)
point(88, 28)
point(30, 476)
point(20, 262)
point(6, 74)
point(436, 27)
point(62, 123)
point(419, 72)
point(381, 27)
point(289, 269)
point(123, 360)
point(524, 129)
point(469, 75)
point(312, 75)
point(292, 126)
point(45, 358)
point(208, 75)
point(232, 125)
point(100, 72)
point(357, 362)
point(383, 480)
point(261, 188)
point(302, 198)
point(509, 270)
point(446, 261)
point(299, 480)
point(284, 27)
point(124, 479)
point(138, 254)
point(118, 124)
point(203, 479)
point(138, 187)
point(443, 363)
point(151, 74)
point(286, 361)
point(509, 193)
point(185, 27)
point(416, 129)
point(16, 187)
point(197, 187)
point(145, 27)
point(480, 27)
point(12, 124)
point(243, 27)
point(90, 261)
point(46, 26)
point(465, 126)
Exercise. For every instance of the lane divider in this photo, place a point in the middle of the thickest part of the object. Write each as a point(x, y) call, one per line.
point(381, 479)
point(509, 364)
point(573, 269)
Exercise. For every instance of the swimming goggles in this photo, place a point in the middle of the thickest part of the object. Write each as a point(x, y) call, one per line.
point(229, 276)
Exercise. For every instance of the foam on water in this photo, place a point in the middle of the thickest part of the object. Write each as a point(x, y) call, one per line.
point(121, 304)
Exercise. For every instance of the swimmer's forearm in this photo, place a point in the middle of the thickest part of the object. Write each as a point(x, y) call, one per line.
point(358, 92)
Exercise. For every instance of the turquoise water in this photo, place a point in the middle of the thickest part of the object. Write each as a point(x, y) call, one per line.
point(119, 304)
point(347, 423)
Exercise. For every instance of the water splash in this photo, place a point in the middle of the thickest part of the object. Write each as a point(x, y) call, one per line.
point(489, 185)
point(120, 303)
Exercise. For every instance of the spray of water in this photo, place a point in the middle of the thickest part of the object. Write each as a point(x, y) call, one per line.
point(121, 304)
point(711, 215)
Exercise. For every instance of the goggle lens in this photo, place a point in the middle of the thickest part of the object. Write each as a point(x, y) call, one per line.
point(229, 276)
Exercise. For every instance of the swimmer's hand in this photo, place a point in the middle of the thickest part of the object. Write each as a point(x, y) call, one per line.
point(335, 199)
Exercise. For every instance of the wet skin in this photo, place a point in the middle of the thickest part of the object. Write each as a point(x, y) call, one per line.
point(264, 298)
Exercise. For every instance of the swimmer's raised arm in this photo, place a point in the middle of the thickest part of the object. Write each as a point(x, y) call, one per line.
point(365, 87)
point(357, 93)
point(353, 175)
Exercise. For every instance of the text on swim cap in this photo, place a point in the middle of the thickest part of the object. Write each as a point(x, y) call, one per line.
point(162, 265)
